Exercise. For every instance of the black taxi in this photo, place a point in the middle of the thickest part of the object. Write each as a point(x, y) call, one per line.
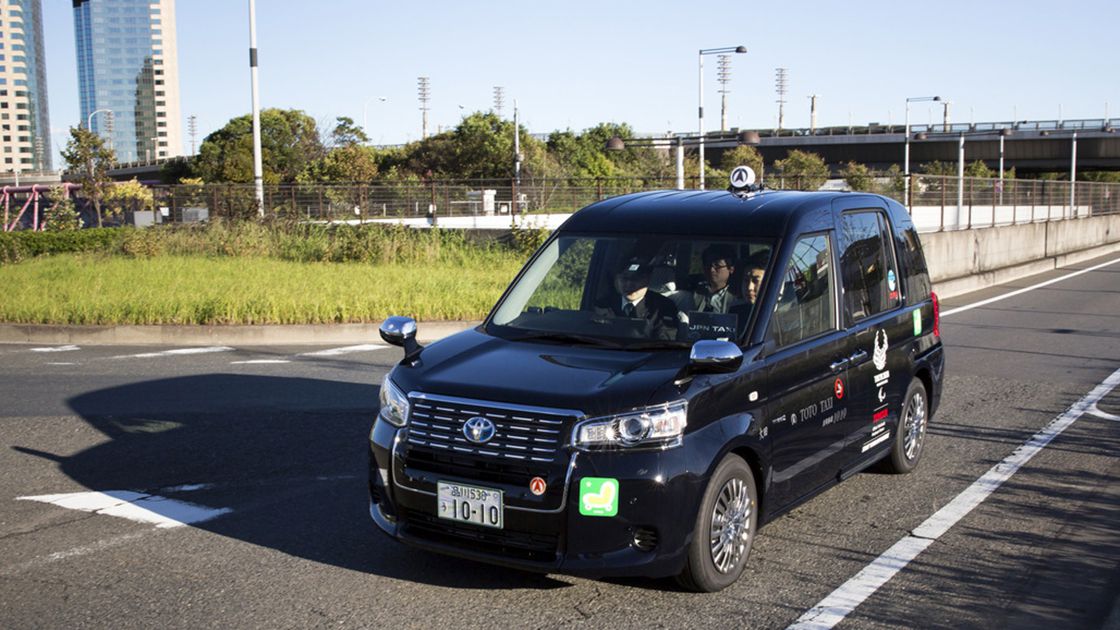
point(668, 372)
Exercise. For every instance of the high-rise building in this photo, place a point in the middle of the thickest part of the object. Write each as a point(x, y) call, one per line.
point(128, 75)
point(25, 138)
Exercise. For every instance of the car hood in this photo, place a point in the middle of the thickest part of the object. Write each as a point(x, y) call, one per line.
point(593, 380)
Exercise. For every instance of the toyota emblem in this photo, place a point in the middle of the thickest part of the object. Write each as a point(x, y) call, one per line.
point(478, 430)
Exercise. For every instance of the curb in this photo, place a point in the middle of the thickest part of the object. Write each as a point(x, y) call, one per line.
point(231, 335)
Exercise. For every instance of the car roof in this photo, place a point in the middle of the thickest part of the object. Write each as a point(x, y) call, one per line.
point(766, 214)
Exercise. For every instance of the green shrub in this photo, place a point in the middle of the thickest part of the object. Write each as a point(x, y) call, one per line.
point(16, 246)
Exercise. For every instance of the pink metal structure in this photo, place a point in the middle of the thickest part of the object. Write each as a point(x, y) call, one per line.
point(36, 191)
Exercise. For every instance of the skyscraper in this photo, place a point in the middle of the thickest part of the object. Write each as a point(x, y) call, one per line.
point(128, 66)
point(25, 138)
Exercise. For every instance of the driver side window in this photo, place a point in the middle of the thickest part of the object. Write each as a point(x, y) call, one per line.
point(805, 307)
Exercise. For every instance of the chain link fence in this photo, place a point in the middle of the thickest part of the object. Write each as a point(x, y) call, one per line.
point(936, 202)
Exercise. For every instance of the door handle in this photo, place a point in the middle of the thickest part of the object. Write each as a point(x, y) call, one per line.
point(837, 366)
point(859, 356)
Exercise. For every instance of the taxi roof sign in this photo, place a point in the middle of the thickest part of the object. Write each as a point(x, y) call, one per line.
point(742, 177)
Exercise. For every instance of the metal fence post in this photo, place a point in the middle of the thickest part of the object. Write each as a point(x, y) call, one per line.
point(943, 180)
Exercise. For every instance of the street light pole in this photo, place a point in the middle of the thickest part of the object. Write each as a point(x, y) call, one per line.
point(1072, 174)
point(258, 169)
point(906, 153)
point(709, 51)
point(89, 119)
point(960, 179)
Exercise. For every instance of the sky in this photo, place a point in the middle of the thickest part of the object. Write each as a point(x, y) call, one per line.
point(574, 64)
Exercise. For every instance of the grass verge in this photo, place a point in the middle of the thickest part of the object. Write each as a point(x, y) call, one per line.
point(94, 289)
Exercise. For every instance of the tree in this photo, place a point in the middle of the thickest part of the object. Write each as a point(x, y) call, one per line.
point(742, 155)
point(807, 170)
point(857, 176)
point(350, 163)
point(61, 216)
point(87, 155)
point(289, 140)
point(131, 195)
point(979, 169)
point(346, 133)
point(937, 167)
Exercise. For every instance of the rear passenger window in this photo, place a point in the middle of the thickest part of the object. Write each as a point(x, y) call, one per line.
point(805, 306)
point(870, 276)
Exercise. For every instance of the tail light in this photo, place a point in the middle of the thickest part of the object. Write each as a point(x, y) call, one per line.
point(936, 315)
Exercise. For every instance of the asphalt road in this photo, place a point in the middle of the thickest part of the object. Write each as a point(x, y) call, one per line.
point(277, 437)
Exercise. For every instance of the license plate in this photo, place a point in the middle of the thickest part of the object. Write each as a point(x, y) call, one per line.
point(469, 504)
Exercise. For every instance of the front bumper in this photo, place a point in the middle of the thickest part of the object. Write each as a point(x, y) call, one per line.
point(659, 494)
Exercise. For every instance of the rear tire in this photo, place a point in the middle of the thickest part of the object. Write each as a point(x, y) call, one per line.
point(909, 439)
point(724, 530)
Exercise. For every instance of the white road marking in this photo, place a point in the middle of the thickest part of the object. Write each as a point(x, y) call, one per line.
point(74, 552)
point(332, 352)
point(1104, 415)
point(259, 361)
point(56, 349)
point(177, 352)
point(135, 506)
point(997, 298)
point(837, 605)
point(59, 363)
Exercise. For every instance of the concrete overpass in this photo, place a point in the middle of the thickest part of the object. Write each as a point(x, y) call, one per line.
point(1029, 146)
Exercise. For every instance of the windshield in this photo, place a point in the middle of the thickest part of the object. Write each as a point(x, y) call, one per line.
point(636, 291)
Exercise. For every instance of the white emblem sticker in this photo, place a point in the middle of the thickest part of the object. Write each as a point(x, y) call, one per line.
point(880, 356)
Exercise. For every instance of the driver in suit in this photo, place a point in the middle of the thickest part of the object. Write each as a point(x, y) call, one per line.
point(633, 300)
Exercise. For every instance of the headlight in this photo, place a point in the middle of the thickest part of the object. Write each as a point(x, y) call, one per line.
point(394, 404)
point(660, 425)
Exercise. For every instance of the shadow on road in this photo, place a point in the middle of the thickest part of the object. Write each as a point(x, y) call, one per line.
point(286, 455)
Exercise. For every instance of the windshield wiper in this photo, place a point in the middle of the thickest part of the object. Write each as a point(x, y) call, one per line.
point(567, 337)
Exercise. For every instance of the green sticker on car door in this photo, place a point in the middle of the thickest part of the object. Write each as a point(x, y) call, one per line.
point(598, 496)
point(917, 322)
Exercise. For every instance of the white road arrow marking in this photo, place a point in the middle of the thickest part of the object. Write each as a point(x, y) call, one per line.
point(135, 506)
point(176, 352)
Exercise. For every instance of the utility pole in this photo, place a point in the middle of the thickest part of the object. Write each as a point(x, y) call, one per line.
point(723, 72)
point(499, 99)
point(781, 85)
point(813, 112)
point(425, 91)
point(192, 129)
point(516, 162)
point(945, 124)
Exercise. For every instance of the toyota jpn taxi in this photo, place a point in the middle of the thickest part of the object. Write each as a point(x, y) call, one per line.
point(561, 436)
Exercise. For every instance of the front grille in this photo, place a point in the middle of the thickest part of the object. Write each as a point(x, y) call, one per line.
point(523, 434)
point(522, 545)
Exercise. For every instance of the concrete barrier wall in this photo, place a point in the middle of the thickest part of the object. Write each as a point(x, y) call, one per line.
point(968, 260)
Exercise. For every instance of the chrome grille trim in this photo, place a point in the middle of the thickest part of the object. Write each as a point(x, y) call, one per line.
point(523, 433)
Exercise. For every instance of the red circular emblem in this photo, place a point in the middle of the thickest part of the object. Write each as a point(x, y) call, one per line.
point(537, 486)
point(838, 387)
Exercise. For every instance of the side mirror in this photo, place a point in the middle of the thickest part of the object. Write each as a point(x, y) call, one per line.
point(401, 331)
point(715, 356)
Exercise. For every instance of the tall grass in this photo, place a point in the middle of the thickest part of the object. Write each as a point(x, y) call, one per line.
point(206, 289)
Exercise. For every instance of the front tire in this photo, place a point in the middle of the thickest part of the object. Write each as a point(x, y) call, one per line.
point(725, 528)
point(909, 439)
